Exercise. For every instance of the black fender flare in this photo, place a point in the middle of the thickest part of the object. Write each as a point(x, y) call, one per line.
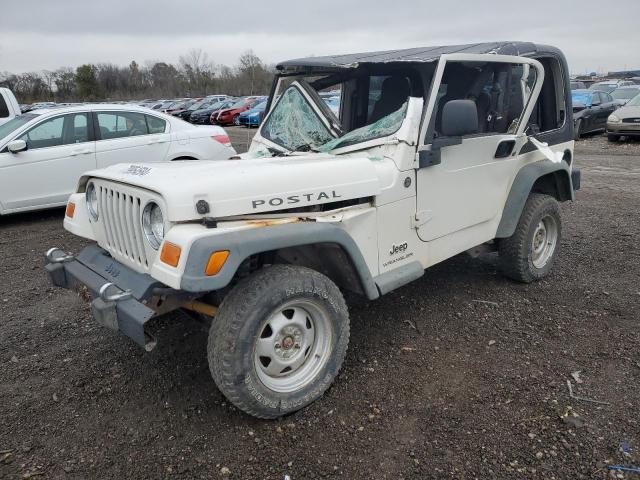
point(244, 243)
point(522, 185)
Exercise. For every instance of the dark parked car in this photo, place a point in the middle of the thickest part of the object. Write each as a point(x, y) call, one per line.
point(591, 109)
point(203, 116)
point(185, 113)
point(176, 110)
point(163, 105)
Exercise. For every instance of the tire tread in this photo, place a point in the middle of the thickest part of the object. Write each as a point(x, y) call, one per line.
point(514, 250)
point(231, 317)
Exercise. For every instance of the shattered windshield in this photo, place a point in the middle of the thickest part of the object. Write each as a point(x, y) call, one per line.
point(382, 128)
point(295, 125)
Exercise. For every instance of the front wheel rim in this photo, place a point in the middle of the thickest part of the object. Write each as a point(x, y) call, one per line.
point(544, 241)
point(292, 346)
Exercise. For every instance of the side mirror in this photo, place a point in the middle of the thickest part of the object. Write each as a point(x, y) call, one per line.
point(17, 146)
point(459, 118)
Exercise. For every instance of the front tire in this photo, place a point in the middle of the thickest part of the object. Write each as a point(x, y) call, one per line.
point(279, 340)
point(578, 129)
point(528, 255)
point(613, 138)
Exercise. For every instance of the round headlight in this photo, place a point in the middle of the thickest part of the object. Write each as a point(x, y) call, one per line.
point(613, 119)
point(92, 201)
point(153, 224)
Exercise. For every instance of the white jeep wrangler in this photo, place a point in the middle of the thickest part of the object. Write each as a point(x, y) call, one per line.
point(434, 152)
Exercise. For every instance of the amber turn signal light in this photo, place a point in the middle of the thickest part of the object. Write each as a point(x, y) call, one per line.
point(71, 209)
point(170, 254)
point(216, 262)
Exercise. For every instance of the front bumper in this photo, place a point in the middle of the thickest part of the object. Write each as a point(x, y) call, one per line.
point(119, 295)
point(623, 128)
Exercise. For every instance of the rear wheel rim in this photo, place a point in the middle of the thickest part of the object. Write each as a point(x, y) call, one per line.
point(292, 346)
point(544, 241)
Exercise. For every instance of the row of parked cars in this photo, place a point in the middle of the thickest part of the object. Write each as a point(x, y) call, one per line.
point(224, 110)
point(612, 106)
point(214, 109)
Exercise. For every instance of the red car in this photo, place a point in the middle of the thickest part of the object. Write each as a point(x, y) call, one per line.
point(229, 116)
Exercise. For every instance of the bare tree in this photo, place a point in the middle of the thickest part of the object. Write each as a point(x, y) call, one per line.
point(195, 75)
point(198, 70)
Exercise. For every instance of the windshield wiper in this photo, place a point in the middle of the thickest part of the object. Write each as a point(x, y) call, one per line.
point(307, 147)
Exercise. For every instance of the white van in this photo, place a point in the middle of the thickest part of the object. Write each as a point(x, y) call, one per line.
point(9, 107)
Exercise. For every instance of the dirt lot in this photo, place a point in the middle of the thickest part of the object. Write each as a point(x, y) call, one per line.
point(462, 374)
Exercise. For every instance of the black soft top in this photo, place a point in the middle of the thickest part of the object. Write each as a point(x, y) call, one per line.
point(410, 55)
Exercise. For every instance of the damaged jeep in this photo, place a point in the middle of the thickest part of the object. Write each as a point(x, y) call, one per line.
point(433, 152)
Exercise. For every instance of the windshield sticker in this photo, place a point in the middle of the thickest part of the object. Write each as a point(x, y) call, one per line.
point(137, 170)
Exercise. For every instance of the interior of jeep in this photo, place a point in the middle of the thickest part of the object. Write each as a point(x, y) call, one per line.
point(497, 89)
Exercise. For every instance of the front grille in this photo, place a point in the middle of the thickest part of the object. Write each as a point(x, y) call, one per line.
point(121, 217)
point(631, 120)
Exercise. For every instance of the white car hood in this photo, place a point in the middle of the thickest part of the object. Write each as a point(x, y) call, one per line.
point(241, 187)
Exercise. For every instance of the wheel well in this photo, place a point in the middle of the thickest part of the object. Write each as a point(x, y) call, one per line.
point(556, 184)
point(184, 158)
point(330, 259)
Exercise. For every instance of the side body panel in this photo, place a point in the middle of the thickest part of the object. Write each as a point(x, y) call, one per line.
point(43, 177)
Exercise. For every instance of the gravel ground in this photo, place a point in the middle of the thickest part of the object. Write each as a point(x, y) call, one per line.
point(462, 374)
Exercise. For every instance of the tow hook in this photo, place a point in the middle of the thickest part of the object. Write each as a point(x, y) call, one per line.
point(56, 255)
point(103, 292)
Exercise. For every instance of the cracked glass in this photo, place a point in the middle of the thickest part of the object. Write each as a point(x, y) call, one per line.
point(382, 128)
point(293, 123)
point(296, 125)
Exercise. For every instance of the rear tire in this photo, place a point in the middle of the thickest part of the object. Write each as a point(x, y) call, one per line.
point(279, 340)
point(613, 138)
point(529, 253)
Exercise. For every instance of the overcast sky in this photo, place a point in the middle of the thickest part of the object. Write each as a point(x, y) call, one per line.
point(47, 34)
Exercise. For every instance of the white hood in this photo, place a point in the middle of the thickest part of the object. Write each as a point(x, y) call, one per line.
point(241, 187)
